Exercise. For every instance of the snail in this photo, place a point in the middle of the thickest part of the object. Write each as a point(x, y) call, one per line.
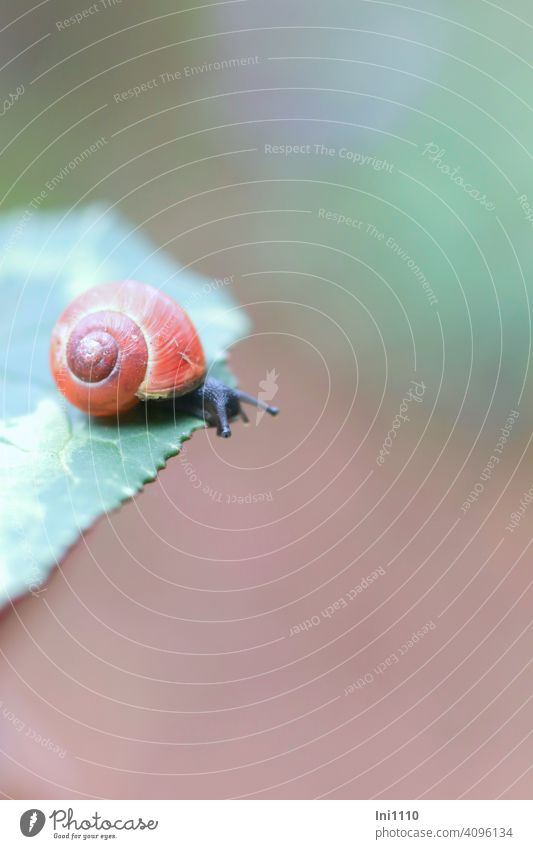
point(124, 342)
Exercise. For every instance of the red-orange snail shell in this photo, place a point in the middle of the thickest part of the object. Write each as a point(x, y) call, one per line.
point(124, 342)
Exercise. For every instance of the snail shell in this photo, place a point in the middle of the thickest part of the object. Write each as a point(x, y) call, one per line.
point(122, 342)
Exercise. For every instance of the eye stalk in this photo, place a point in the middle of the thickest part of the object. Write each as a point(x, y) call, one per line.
point(218, 404)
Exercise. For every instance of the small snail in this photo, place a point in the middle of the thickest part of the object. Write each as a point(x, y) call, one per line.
point(124, 342)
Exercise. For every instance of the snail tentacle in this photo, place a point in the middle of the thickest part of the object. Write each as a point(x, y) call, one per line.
point(217, 404)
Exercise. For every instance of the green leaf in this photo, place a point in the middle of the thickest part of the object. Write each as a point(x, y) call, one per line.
point(59, 469)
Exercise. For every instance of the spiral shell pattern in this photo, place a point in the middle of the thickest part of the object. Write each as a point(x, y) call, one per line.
point(122, 342)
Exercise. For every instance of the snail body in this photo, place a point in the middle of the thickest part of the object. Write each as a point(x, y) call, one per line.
point(124, 342)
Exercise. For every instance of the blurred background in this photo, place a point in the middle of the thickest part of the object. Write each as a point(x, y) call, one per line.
point(336, 603)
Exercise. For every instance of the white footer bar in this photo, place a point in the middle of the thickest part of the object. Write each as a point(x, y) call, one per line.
point(268, 824)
